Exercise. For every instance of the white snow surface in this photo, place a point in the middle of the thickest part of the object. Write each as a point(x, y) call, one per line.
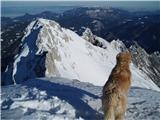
point(70, 56)
point(64, 99)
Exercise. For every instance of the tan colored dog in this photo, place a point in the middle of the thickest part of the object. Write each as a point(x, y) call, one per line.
point(115, 91)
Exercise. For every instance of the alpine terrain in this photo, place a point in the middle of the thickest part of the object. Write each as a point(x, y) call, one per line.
point(58, 74)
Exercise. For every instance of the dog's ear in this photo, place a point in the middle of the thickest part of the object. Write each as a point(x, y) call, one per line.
point(117, 57)
point(129, 56)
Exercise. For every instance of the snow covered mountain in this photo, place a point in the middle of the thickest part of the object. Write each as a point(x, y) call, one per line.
point(64, 99)
point(48, 50)
point(73, 70)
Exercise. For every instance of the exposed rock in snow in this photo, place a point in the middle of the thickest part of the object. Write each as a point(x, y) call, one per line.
point(64, 99)
point(50, 50)
point(88, 35)
point(149, 64)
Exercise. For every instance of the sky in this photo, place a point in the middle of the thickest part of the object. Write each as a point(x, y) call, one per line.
point(80, 0)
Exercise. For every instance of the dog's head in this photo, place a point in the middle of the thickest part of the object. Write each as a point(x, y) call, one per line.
point(124, 57)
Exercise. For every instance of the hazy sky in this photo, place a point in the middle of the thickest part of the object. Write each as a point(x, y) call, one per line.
point(80, 0)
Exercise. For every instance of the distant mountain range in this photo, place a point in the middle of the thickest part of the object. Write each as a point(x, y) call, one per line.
point(108, 23)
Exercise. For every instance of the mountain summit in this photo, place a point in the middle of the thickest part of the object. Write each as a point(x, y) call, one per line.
point(49, 50)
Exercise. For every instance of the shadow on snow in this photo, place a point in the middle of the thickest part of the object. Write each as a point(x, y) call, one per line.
point(72, 95)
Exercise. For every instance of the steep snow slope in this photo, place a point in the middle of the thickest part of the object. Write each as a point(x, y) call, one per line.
point(137, 73)
point(50, 50)
point(64, 99)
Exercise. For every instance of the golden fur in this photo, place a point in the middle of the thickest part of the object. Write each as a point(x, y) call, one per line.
point(115, 91)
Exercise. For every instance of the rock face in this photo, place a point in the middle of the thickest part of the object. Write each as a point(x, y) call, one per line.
point(99, 42)
point(88, 35)
point(48, 50)
point(149, 64)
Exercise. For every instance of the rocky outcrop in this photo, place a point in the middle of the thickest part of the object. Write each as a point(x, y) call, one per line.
point(148, 63)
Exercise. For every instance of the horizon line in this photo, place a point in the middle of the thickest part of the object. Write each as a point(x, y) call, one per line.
point(81, 0)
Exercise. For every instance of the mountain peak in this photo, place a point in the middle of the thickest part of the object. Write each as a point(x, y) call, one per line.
point(50, 50)
point(47, 23)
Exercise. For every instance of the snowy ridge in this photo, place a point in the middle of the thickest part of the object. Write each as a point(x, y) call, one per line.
point(64, 99)
point(148, 63)
point(50, 50)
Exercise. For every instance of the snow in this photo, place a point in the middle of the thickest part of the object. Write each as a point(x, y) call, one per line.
point(61, 52)
point(64, 53)
point(141, 80)
point(64, 99)
point(74, 72)
point(72, 49)
point(1, 40)
point(23, 54)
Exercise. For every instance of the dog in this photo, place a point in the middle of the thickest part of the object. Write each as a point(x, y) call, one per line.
point(115, 90)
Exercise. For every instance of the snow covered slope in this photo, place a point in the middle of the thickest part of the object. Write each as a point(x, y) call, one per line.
point(50, 50)
point(64, 99)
